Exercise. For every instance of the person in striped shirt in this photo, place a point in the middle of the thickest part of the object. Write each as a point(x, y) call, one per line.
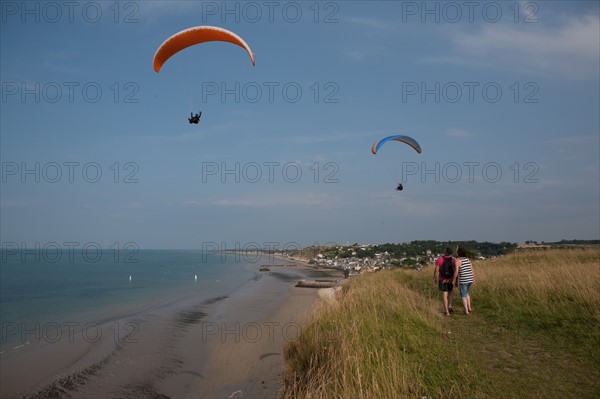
point(465, 277)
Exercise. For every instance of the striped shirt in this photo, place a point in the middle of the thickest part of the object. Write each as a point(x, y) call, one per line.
point(465, 273)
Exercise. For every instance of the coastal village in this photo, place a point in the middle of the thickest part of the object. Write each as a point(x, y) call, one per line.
point(382, 260)
point(352, 260)
point(363, 258)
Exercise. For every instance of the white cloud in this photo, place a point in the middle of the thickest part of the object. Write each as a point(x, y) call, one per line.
point(176, 137)
point(367, 50)
point(552, 184)
point(368, 28)
point(15, 203)
point(571, 50)
point(585, 140)
point(407, 205)
point(327, 137)
point(134, 205)
point(461, 133)
point(231, 126)
point(154, 9)
point(576, 147)
point(269, 200)
point(374, 25)
point(357, 55)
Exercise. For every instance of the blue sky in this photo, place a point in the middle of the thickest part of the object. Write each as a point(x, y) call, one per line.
point(503, 98)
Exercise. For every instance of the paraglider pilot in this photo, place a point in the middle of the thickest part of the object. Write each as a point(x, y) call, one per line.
point(195, 118)
point(400, 187)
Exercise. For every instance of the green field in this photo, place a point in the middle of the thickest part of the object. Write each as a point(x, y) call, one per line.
point(534, 333)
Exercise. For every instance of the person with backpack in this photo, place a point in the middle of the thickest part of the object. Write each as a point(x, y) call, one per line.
point(444, 274)
point(465, 277)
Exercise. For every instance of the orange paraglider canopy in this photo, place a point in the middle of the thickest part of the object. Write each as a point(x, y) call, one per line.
point(196, 35)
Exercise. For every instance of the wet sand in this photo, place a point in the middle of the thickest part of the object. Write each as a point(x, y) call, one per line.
point(246, 335)
point(229, 346)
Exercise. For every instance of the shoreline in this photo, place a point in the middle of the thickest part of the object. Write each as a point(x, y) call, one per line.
point(246, 337)
point(210, 348)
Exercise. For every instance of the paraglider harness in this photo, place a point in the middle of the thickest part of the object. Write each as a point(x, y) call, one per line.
point(195, 118)
point(400, 187)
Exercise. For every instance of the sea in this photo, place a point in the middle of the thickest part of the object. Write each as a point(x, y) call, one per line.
point(46, 290)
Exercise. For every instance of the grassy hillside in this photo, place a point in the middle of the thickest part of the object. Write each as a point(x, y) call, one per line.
point(534, 333)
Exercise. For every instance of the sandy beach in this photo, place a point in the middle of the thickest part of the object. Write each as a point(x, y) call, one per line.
point(230, 346)
point(245, 336)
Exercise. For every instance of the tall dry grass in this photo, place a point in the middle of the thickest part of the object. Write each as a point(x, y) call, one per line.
point(385, 337)
point(380, 340)
point(551, 277)
point(553, 293)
